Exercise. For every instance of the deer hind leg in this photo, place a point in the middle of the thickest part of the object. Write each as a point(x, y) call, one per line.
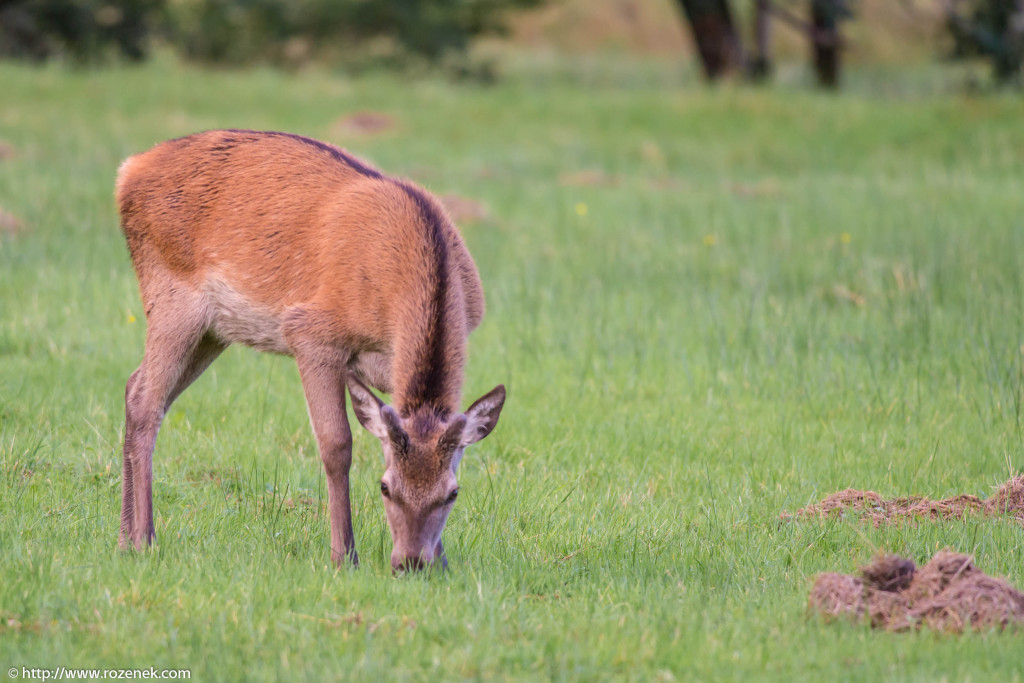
point(178, 349)
point(323, 381)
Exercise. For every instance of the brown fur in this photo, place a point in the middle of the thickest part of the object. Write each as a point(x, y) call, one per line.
point(292, 246)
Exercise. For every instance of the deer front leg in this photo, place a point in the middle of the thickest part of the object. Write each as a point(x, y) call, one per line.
point(323, 381)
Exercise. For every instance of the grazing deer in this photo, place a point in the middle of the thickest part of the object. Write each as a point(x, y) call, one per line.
point(293, 246)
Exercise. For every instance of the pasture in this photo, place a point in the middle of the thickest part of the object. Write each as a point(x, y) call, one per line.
point(709, 306)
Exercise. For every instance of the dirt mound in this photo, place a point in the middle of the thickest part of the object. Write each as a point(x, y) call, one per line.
point(464, 209)
point(363, 123)
point(1008, 500)
point(947, 594)
point(10, 224)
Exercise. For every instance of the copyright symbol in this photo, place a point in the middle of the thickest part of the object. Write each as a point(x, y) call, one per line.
point(13, 672)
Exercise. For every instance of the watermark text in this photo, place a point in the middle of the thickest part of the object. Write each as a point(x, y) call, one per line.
point(63, 673)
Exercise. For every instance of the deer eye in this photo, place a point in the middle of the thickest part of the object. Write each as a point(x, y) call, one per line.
point(451, 497)
point(384, 490)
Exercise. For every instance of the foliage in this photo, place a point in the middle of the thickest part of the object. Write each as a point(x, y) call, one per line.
point(708, 308)
point(247, 31)
point(835, 10)
point(993, 29)
point(84, 30)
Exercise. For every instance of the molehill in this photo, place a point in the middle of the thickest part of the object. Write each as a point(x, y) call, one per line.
point(1008, 500)
point(947, 594)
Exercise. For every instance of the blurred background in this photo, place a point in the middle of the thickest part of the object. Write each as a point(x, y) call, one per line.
point(737, 255)
point(756, 40)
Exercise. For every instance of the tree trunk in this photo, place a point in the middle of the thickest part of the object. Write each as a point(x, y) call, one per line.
point(714, 31)
point(761, 61)
point(825, 42)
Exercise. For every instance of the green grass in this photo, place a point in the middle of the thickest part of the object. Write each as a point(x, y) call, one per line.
point(774, 295)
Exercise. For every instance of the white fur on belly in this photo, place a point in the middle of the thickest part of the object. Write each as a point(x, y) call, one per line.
point(373, 368)
point(237, 320)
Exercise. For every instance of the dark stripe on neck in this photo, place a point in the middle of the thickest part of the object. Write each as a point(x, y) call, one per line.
point(336, 152)
point(428, 383)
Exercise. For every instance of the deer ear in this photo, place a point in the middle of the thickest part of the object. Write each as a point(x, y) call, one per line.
point(367, 408)
point(393, 425)
point(451, 440)
point(380, 419)
point(482, 416)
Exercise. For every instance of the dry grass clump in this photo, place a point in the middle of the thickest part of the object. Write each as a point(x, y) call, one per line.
point(1008, 500)
point(10, 224)
point(947, 594)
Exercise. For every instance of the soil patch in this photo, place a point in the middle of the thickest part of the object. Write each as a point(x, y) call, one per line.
point(758, 190)
point(10, 224)
point(1008, 500)
point(947, 594)
point(464, 209)
point(365, 123)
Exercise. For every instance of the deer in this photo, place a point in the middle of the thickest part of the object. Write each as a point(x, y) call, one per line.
point(294, 246)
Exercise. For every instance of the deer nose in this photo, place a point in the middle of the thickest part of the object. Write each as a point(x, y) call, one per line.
point(413, 563)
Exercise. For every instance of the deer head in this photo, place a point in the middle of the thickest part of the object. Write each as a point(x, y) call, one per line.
point(422, 452)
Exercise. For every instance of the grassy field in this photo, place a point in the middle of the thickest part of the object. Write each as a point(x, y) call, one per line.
point(709, 307)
